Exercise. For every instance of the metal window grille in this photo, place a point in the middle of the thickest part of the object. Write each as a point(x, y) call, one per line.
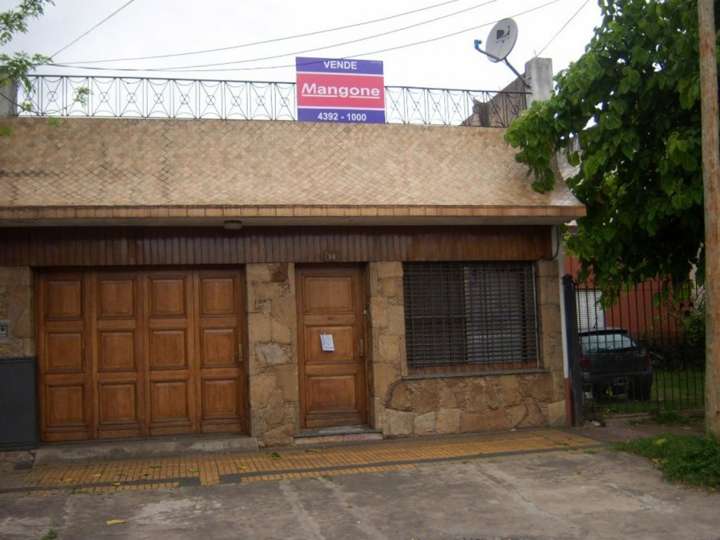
point(470, 313)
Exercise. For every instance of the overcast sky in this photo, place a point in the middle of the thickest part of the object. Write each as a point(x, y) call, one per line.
point(153, 27)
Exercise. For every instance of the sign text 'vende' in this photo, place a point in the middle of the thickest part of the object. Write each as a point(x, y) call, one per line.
point(340, 90)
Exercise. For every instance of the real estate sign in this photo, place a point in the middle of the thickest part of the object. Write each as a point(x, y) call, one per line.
point(340, 90)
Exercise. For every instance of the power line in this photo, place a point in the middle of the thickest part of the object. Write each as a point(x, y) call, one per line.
point(9, 100)
point(96, 25)
point(563, 27)
point(340, 44)
point(280, 66)
point(266, 41)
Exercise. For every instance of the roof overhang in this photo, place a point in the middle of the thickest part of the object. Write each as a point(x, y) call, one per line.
point(213, 216)
point(204, 172)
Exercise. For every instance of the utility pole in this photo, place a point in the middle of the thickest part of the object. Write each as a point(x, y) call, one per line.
point(711, 181)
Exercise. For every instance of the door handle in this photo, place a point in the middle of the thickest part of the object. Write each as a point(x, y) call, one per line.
point(362, 347)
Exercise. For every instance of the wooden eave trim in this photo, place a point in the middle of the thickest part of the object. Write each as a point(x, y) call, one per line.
point(229, 212)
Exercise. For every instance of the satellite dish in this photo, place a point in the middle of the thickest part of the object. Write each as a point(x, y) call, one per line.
point(501, 40)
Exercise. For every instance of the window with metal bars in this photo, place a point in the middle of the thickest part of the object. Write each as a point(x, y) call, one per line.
point(470, 314)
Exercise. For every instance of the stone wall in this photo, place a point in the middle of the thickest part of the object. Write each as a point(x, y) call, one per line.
point(272, 350)
point(466, 404)
point(406, 405)
point(387, 333)
point(16, 306)
point(551, 349)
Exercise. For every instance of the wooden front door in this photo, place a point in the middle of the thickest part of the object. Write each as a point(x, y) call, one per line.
point(333, 390)
point(130, 354)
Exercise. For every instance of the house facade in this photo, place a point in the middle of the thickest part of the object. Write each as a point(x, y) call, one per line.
point(271, 279)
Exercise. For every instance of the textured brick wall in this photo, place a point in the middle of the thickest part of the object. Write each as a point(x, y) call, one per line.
point(272, 349)
point(16, 305)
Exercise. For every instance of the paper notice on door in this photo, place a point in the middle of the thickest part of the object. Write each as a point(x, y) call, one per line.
point(326, 343)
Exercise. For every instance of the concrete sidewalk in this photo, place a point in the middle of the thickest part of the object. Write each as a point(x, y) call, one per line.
point(104, 476)
point(585, 493)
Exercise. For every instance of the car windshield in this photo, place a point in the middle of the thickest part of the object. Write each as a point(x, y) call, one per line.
point(616, 341)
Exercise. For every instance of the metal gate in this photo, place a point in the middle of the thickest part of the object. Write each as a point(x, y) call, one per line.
point(645, 352)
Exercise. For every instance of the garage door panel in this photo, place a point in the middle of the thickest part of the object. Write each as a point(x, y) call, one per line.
point(171, 352)
point(137, 353)
point(63, 359)
point(64, 352)
point(170, 401)
point(168, 349)
point(64, 298)
point(66, 405)
point(222, 385)
point(219, 347)
point(118, 403)
point(218, 295)
point(168, 295)
point(220, 399)
point(116, 315)
point(116, 351)
point(116, 297)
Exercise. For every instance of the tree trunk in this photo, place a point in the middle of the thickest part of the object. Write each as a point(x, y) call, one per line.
point(711, 179)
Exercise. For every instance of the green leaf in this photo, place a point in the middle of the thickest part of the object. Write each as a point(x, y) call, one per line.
point(632, 100)
point(573, 158)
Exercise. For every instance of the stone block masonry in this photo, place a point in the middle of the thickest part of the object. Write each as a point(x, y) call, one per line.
point(272, 350)
point(467, 404)
point(16, 306)
point(387, 332)
point(550, 332)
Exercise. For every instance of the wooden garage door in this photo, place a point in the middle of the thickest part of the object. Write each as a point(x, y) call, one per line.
point(134, 354)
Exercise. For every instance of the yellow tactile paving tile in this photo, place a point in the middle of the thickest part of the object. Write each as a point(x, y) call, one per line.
point(279, 464)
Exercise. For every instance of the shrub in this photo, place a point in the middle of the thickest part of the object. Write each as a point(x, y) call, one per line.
point(688, 459)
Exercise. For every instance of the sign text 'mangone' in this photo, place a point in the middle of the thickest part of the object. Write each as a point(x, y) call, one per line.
point(314, 89)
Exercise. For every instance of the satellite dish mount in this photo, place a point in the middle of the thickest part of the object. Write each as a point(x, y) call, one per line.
point(500, 44)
